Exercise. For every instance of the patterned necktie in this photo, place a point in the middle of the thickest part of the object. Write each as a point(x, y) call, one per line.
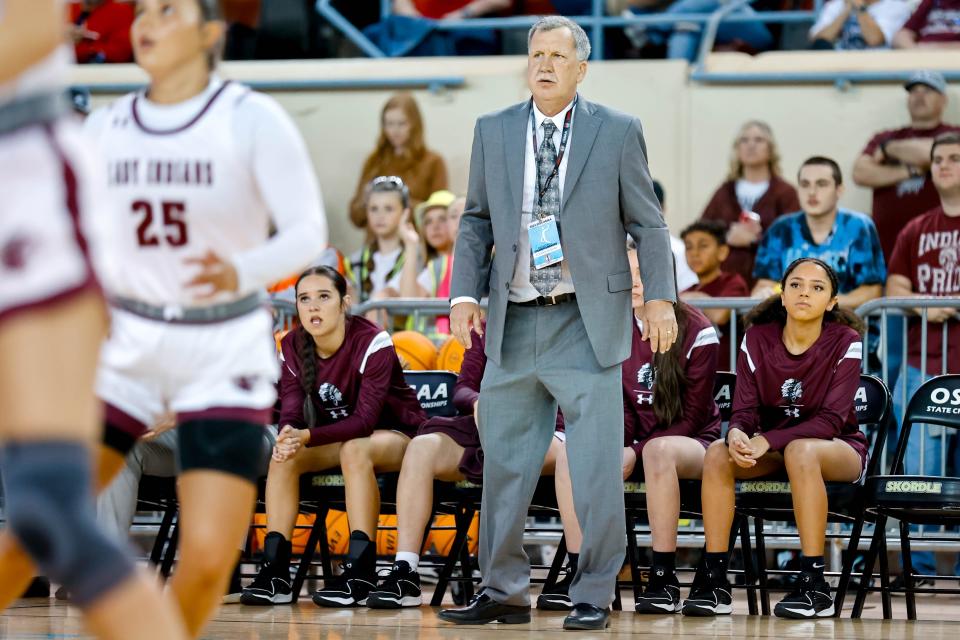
point(544, 280)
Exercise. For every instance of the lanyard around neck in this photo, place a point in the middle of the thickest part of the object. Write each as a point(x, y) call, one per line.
point(565, 133)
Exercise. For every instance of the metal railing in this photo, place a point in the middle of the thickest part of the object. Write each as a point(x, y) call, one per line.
point(594, 23)
point(883, 309)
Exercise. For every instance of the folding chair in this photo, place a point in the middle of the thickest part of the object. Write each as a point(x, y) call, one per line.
point(770, 498)
point(156, 493)
point(915, 499)
point(463, 500)
point(319, 492)
point(635, 491)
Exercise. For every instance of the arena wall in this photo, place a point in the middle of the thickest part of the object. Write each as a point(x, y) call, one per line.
point(689, 126)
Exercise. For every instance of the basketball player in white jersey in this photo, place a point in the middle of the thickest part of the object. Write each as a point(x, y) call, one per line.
point(197, 169)
point(52, 321)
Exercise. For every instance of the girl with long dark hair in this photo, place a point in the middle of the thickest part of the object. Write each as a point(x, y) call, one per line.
point(344, 402)
point(793, 411)
point(670, 418)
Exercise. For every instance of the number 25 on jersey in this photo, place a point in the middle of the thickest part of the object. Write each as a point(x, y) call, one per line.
point(173, 224)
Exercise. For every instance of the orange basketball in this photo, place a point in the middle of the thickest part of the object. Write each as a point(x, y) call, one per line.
point(301, 532)
point(387, 537)
point(415, 350)
point(338, 536)
point(451, 356)
point(279, 336)
point(338, 532)
point(442, 540)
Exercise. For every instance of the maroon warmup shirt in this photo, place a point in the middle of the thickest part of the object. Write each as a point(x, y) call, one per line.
point(896, 205)
point(787, 397)
point(928, 253)
point(698, 358)
point(358, 389)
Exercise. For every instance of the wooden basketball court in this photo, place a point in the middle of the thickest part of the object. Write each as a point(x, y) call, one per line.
point(48, 619)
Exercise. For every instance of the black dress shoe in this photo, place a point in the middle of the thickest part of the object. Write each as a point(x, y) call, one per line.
point(587, 617)
point(483, 609)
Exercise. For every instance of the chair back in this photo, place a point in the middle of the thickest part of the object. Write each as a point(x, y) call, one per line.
point(936, 402)
point(723, 388)
point(434, 390)
point(873, 403)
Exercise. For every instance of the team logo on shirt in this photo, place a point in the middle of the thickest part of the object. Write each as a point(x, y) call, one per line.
point(13, 255)
point(647, 376)
point(332, 401)
point(792, 391)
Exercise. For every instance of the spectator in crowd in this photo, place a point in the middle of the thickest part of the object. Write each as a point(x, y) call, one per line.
point(454, 211)
point(435, 246)
point(343, 402)
point(935, 24)
point(793, 411)
point(449, 9)
point(448, 449)
point(375, 269)
point(846, 240)
point(753, 196)
point(925, 262)
point(683, 38)
point(706, 249)
point(896, 162)
point(685, 276)
point(546, 7)
point(400, 151)
point(411, 28)
point(896, 165)
point(858, 24)
point(101, 31)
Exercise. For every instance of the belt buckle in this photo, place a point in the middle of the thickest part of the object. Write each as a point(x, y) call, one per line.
point(549, 301)
point(172, 312)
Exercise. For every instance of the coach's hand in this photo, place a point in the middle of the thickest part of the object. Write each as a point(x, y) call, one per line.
point(659, 325)
point(463, 317)
point(216, 274)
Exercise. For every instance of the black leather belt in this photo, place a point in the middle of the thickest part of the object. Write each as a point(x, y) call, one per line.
point(547, 301)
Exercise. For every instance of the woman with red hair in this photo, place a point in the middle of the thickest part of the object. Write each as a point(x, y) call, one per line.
point(401, 152)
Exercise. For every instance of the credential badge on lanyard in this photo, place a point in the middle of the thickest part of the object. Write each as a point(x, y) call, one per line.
point(542, 231)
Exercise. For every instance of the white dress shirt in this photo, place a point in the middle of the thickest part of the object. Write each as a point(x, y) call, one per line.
point(520, 288)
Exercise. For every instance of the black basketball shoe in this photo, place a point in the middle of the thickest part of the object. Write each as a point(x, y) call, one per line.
point(400, 588)
point(557, 596)
point(709, 595)
point(811, 599)
point(662, 594)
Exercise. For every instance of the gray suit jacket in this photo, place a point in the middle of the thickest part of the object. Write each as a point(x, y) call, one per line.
point(607, 192)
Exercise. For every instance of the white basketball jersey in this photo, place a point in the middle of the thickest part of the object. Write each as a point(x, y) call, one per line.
point(177, 194)
point(47, 76)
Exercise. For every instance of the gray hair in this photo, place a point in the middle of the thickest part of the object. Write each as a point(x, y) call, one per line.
point(549, 23)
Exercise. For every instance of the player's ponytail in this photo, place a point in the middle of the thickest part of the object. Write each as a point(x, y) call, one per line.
point(210, 11)
point(670, 377)
point(772, 309)
point(306, 348)
point(307, 356)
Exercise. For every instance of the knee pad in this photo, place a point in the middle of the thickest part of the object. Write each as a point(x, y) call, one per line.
point(118, 439)
point(49, 507)
point(231, 446)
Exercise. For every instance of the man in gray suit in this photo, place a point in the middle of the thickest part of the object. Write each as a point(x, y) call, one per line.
point(558, 324)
